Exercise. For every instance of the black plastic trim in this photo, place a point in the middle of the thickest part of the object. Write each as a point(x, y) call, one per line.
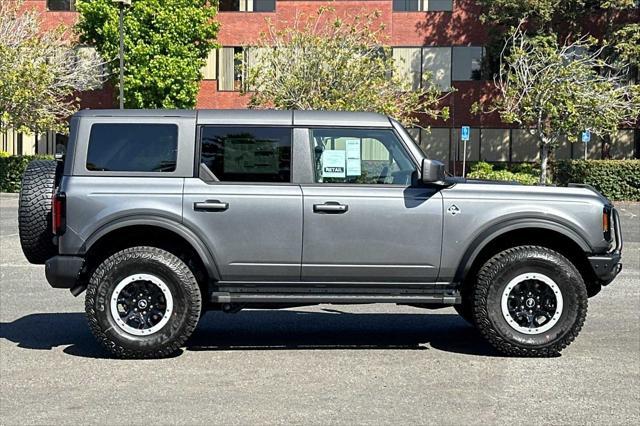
point(63, 271)
point(606, 267)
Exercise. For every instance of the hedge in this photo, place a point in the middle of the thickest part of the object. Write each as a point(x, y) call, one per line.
point(526, 175)
point(11, 170)
point(616, 179)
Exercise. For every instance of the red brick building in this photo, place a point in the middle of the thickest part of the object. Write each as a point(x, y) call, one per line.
point(442, 36)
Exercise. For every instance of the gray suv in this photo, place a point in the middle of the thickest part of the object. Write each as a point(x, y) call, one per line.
point(161, 215)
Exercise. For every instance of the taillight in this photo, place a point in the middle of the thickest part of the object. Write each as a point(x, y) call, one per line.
point(606, 223)
point(57, 213)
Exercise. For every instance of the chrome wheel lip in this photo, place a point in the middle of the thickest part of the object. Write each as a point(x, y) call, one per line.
point(537, 277)
point(158, 283)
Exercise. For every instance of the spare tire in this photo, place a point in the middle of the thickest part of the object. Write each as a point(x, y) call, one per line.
point(34, 211)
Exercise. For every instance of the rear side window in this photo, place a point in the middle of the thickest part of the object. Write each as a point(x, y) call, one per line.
point(119, 147)
point(247, 154)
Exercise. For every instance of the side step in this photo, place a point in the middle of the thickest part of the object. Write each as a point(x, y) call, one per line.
point(220, 297)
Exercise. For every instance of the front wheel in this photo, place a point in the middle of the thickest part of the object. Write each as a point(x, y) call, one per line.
point(529, 301)
point(142, 302)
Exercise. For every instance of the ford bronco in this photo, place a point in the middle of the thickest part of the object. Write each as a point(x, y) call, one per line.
point(161, 215)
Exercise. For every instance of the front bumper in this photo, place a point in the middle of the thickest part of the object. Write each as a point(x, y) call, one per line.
point(607, 266)
point(63, 271)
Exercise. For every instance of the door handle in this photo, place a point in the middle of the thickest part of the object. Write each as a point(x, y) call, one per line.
point(210, 206)
point(330, 207)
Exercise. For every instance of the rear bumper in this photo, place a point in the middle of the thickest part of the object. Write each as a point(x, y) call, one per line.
point(63, 271)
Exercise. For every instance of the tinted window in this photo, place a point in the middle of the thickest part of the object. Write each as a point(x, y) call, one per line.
point(406, 5)
point(264, 5)
point(251, 154)
point(67, 5)
point(121, 147)
point(360, 156)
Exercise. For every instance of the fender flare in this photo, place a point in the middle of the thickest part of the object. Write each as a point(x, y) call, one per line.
point(161, 222)
point(513, 224)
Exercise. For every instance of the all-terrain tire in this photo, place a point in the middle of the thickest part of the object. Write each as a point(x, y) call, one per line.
point(179, 281)
point(492, 285)
point(34, 211)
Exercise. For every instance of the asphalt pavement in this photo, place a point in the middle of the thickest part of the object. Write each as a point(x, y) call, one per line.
point(372, 364)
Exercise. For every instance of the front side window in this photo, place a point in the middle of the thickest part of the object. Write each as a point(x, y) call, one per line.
point(247, 154)
point(61, 5)
point(120, 147)
point(360, 156)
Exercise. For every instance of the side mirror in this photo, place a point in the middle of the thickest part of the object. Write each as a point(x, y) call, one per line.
point(432, 171)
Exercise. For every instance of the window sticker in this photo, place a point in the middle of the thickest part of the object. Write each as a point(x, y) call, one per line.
point(333, 164)
point(354, 167)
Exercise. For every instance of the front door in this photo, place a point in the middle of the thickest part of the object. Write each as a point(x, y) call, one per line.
point(365, 219)
point(244, 205)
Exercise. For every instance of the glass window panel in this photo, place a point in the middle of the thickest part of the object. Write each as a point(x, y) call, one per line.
point(406, 61)
point(467, 63)
point(209, 68)
point(229, 5)
point(406, 5)
point(61, 5)
point(264, 5)
point(360, 156)
point(436, 61)
point(438, 5)
point(121, 147)
point(248, 154)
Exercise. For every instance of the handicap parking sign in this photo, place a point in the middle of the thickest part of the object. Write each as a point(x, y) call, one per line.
point(586, 136)
point(464, 133)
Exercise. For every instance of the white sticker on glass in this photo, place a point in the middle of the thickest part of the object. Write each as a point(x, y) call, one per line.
point(354, 166)
point(333, 164)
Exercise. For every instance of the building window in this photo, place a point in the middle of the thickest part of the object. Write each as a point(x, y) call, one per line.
point(415, 65)
point(61, 5)
point(230, 68)
point(467, 63)
point(422, 5)
point(247, 5)
point(209, 70)
point(436, 61)
point(247, 154)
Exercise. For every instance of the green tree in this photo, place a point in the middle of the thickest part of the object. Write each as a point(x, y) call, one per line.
point(558, 91)
point(166, 44)
point(40, 72)
point(325, 62)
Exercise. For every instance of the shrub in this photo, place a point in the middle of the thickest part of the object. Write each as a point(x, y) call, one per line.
point(12, 168)
point(616, 179)
point(485, 171)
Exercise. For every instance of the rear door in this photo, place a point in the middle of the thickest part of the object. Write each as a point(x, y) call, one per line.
point(243, 204)
point(365, 218)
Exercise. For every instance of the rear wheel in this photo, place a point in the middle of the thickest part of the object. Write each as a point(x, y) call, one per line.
point(143, 302)
point(34, 210)
point(529, 301)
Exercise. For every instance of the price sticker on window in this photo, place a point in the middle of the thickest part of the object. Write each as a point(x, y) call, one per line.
point(354, 165)
point(334, 164)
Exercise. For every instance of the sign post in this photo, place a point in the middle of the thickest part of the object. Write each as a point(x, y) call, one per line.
point(586, 138)
point(122, 4)
point(465, 132)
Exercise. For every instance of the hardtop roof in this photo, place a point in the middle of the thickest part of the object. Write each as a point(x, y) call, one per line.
point(253, 116)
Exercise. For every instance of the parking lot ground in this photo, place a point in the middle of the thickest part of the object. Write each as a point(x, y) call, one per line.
point(376, 364)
